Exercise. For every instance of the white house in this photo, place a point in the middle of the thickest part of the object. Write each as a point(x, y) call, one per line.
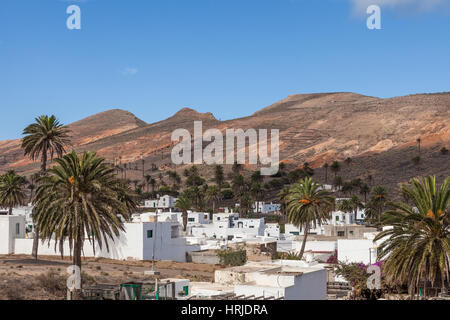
point(139, 241)
point(164, 202)
point(230, 226)
point(291, 231)
point(290, 280)
point(272, 230)
point(262, 207)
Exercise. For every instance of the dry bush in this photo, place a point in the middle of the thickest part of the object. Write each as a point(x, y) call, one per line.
point(52, 282)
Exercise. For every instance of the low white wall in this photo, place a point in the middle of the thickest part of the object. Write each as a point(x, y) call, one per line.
point(358, 250)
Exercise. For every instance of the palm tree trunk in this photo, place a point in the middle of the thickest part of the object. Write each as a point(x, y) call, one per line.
point(10, 211)
point(185, 220)
point(77, 262)
point(34, 252)
point(61, 248)
point(35, 242)
point(302, 250)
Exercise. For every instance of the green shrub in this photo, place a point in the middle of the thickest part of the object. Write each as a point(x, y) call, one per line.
point(232, 257)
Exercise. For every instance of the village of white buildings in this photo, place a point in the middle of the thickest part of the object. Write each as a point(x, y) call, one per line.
point(157, 234)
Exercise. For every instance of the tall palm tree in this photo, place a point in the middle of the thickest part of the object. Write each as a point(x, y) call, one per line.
point(379, 199)
point(12, 191)
point(147, 179)
point(325, 166)
point(153, 184)
point(218, 176)
point(356, 204)
point(345, 206)
point(308, 207)
point(417, 247)
point(79, 198)
point(283, 196)
point(257, 193)
point(335, 168)
point(184, 204)
point(47, 136)
point(307, 169)
point(364, 189)
point(213, 195)
point(31, 186)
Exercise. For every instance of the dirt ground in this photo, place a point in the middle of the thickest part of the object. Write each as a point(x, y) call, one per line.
point(23, 278)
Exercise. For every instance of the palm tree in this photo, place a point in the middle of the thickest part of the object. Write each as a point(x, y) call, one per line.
point(184, 204)
point(256, 176)
point(307, 169)
point(153, 184)
point(356, 204)
point(213, 195)
point(335, 167)
point(348, 161)
point(12, 191)
point(46, 136)
point(257, 192)
point(218, 175)
point(379, 199)
point(245, 204)
point(364, 189)
point(417, 247)
point(79, 198)
point(283, 195)
point(308, 206)
point(147, 179)
point(337, 182)
point(236, 168)
point(31, 187)
point(345, 206)
point(325, 166)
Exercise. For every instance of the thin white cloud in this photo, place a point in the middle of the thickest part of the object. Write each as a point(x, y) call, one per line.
point(129, 71)
point(414, 5)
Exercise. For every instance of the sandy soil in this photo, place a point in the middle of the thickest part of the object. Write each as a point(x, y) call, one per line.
point(21, 277)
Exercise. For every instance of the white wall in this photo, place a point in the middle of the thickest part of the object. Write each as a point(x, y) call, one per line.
point(134, 243)
point(309, 286)
point(356, 250)
point(8, 232)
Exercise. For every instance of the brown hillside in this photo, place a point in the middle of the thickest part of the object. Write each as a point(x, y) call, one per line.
point(378, 134)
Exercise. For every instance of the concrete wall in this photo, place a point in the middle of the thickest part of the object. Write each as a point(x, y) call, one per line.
point(356, 250)
point(11, 227)
point(311, 286)
point(206, 257)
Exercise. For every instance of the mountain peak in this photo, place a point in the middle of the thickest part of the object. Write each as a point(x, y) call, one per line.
point(191, 114)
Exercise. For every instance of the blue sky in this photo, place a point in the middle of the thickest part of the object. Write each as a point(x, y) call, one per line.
point(228, 57)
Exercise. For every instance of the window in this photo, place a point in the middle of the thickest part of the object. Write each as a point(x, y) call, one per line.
point(17, 228)
point(218, 218)
point(149, 233)
point(252, 227)
point(191, 219)
point(351, 232)
point(295, 233)
point(337, 218)
point(341, 233)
